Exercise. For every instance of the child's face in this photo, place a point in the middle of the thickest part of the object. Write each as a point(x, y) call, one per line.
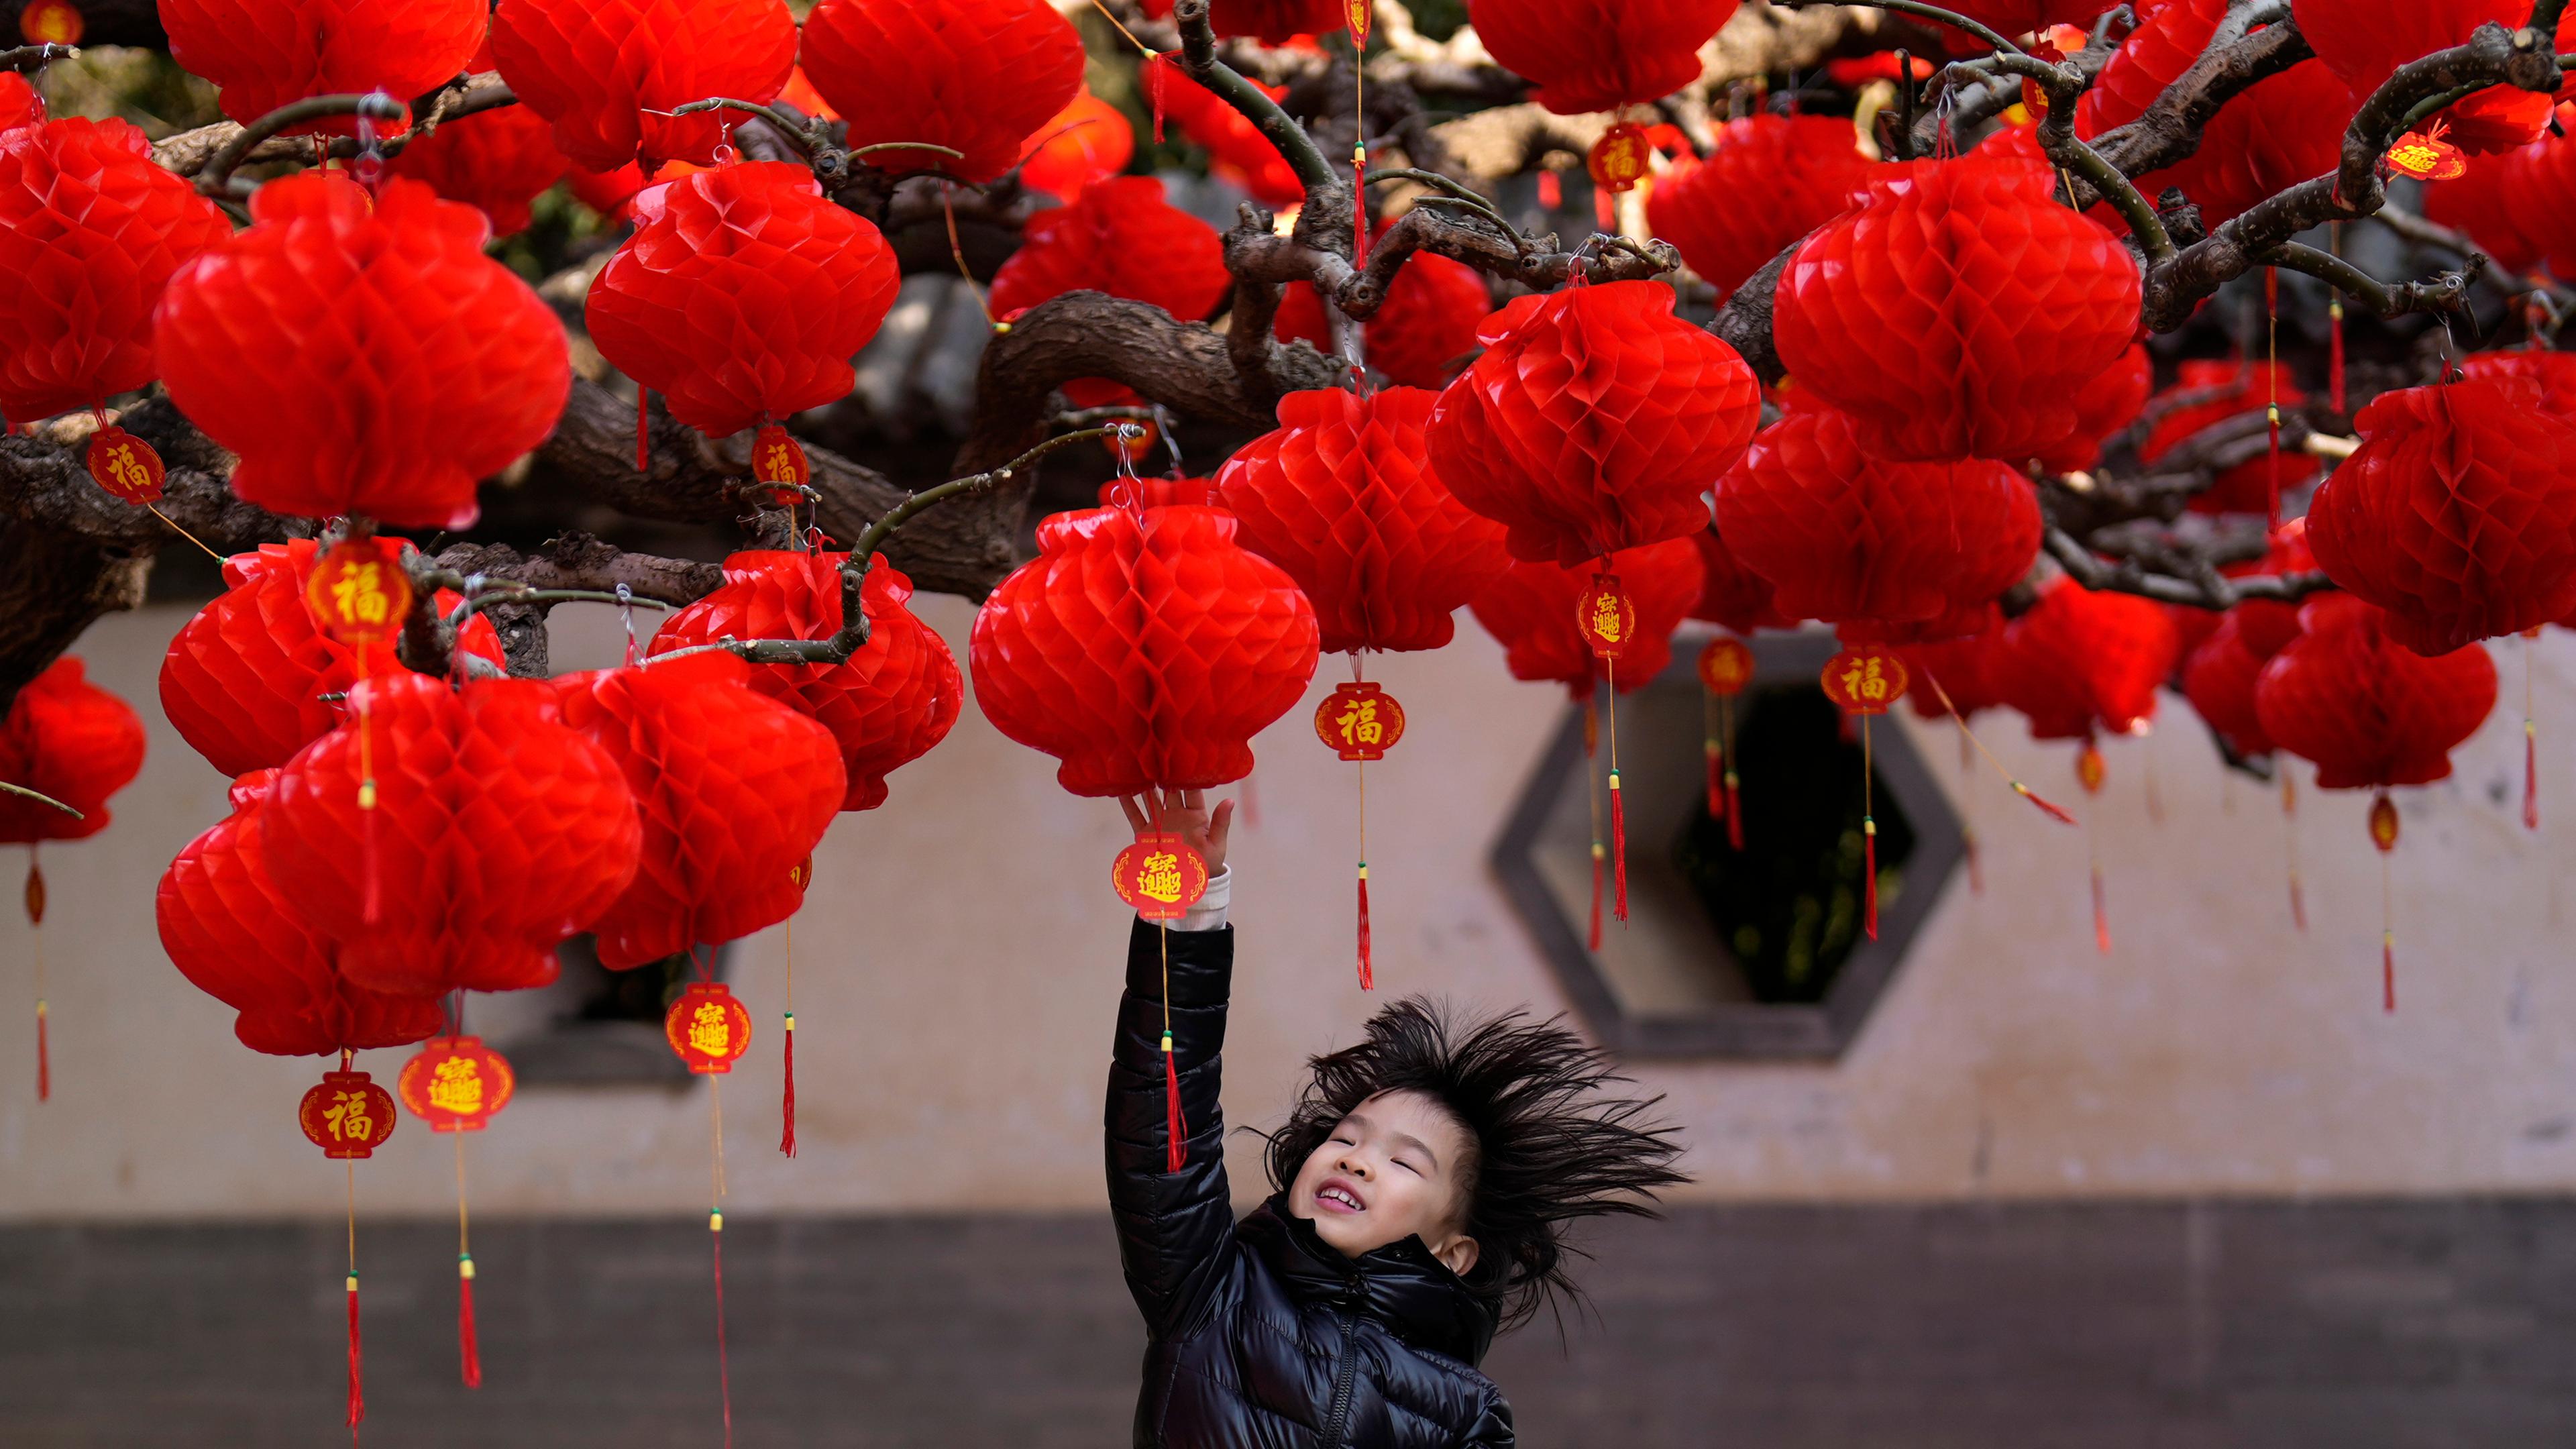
point(1389, 1171)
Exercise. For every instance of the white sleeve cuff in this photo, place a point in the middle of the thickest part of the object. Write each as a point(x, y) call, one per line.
point(1209, 913)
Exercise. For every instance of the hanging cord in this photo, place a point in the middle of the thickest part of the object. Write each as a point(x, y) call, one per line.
point(1176, 1127)
point(1592, 797)
point(2334, 326)
point(2272, 391)
point(36, 948)
point(1618, 805)
point(2290, 835)
point(1868, 837)
point(2530, 742)
point(373, 894)
point(715, 1240)
point(957, 252)
point(2053, 812)
point(357, 1357)
point(1368, 977)
point(787, 1055)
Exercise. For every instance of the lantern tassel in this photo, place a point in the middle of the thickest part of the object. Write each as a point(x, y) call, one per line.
point(466, 1349)
point(1176, 1129)
point(1734, 814)
point(2290, 835)
point(1716, 781)
point(1595, 932)
point(724, 1367)
point(1868, 838)
point(357, 1364)
point(44, 1057)
point(1368, 978)
point(2530, 745)
point(2388, 970)
point(2101, 916)
point(35, 902)
point(787, 1091)
point(1618, 850)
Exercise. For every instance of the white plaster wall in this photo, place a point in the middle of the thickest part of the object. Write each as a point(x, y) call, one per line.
point(960, 956)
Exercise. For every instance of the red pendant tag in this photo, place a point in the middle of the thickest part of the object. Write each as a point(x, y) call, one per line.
point(1359, 721)
point(51, 22)
point(1605, 617)
point(1361, 14)
point(348, 1116)
point(1865, 680)
point(2383, 823)
point(2089, 769)
point(456, 1083)
point(2425, 156)
point(707, 1028)
point(124, 464)
point(1621, 158)
point(801, 874)
point(778, 460)
point(358, 593)
point(1725, 667)
point(1161, 876)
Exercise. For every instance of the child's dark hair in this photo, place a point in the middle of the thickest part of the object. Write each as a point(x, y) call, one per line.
point(1546, 1147)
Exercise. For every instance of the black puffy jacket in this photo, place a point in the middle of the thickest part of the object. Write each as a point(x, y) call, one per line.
point(1261, 1335)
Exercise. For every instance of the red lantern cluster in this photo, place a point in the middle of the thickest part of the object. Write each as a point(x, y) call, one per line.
point(1594, 422)
point(494, 161)
point(1531, 610)
point(243, 681)
point(236, 935)
point(2364, 705)
point(1341, 497)
point(2364, 42)
point(2079, 660)
point(2457, 515)
point(1272, 22)
point(606, 73)
point(1769, 181)
point(2208, 392)
point(2003, 303)
point(1598, 55)
point(976, 76)
point(1142, 649)
point(1237, 151)
point(1842, 535)
point(1121, 237)
point(743, 296)
point(2519, 206)
point(68, 740)
point(1429, 320)
point(265, 53)
point(491, 833)
point(361, 355)
point(734, 788)
point(886, 705)
point(90, 231)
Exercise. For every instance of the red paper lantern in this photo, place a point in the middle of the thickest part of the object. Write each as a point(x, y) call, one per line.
point(19, 103)
point(1237, 151)
point(1966, 671)
point(1531, 610)
point(69, 740)
point(348, 1116)
point(2368, 709)
point(1594, 422)
point(598, 69)
point(1272, 22)
point(2002, 304)
point(496, 833)
point(2218, 678)
point(1341, 497)
point(266, 53)
point(2553, 372)
point(743, 296)
point(2364, 42)
point(1142, 649)
point(2079, 659)
point(610, 193)
point(1731, 595)
point(1429, 320)
point(494, 161)
point(886, 705)
point(237, 937)
point(707, 1028)
point(90, 231)
point(1121, 238)
point(2457, 515)
point(1769, 181)
point(1599, 55)
point(1843, 535)
point(2110, 402)
point(734, 787)
point(2224, 390)
point(1089, 140)
point(456, 1084)
point(243, 681)
point(362, 356)
point(2489, 202)
point(977, 76)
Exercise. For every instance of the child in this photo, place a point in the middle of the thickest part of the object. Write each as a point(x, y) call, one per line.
point(1423, 1184)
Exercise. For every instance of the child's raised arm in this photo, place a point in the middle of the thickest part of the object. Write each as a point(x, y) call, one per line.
point(1173, 1227)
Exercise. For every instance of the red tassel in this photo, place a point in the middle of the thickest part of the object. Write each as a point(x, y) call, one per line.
point(44, 1059)
point(2530, 776)
point(357, 1361)
point(1716, 783)
point(1596, 896)
point(1154, 97)
point(466, 1348)
point(787, 1093)
point(1368, 978)
point(2053, 812)
point(724, 1369)
point(1734, 814)
point(1869, 876)
point(2101, 916)
point(1618, 850)
point(643, 430)
point(2388, 970)
point(1176, 1130)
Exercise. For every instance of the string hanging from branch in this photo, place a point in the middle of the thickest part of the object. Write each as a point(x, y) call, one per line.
point(1864, 683)
point(457, 1085)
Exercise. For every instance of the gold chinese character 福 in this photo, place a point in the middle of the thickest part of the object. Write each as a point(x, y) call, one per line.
point(348, 1118)
point(1863, 680)
point(359, 595)
point(1360, 725)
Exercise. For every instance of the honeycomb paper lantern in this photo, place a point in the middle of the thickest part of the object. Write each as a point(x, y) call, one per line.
point(2489, 202)
point(19, 103)
point(1598, 55)
point(2367, 709)
point(497, 833)
point(1089, 140)
point(1237, 150)
point(734, 790)
point(90, 231)
point(1959, 312)
point(976, 76)
point(1531, 611)
point(1142, 649)
point(742, 296)
point(1594, 422)
point(886, 705)
point(1429, 320)
point(361, 356)
point(2230, 389)
point(1121, 238)
point(243, 681)
point(1272, 22)
point(238, 938)
point(2218, 678)
point(266, 53)
point(1969, 670)
point(494, 161)
point(1769, 181)
point(2104, 406)
point(597, 69)
point(2364, 42)
point(2553, 372)
point(1342, 498)
point(1842, 535)
point(2079, 659)
point(69, 740)
point(2457, 515)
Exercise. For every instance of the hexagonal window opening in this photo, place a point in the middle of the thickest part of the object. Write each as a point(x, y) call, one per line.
point(1756, 953)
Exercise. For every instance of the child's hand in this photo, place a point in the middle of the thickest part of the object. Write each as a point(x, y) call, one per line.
point(1184, 813)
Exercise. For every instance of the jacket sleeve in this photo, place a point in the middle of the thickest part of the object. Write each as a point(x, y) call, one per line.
point(1174, 1228)
point(1493, 1427)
